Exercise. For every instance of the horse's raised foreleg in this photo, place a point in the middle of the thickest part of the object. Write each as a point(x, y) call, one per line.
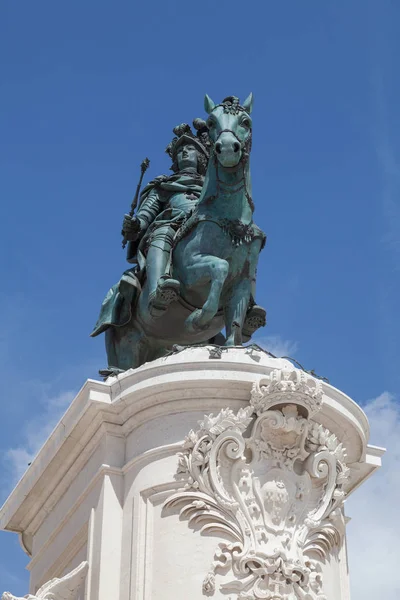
point(206, 269)
point(235, 312)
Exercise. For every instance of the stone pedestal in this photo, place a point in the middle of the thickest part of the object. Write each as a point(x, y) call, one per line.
point(248, 503)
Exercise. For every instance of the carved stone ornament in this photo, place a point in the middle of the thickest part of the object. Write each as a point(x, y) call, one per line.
point(275, 491)
point(66, 588)
point(287, 385)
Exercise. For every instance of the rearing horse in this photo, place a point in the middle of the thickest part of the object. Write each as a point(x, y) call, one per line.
point(215, 255)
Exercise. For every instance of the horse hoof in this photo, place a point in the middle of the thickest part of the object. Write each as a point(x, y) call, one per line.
point(110, 372)
point(256, 317)
point(192, 322)
point(231, 342)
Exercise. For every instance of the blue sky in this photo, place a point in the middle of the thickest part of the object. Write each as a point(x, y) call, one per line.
point(88, 89)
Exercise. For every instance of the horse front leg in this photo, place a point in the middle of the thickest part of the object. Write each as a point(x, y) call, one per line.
point(206, 269)
point(235, 313)
point(237, 305)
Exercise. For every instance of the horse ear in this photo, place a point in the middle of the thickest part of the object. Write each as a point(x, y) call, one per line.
point(209, 105)
point(248, 103)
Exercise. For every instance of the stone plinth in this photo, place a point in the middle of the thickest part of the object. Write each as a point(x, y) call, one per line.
point(246, 504)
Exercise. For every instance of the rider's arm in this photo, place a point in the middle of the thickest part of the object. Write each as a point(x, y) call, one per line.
point(150, 208)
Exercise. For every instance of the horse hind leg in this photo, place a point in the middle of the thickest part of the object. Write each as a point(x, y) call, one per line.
point(210, 268)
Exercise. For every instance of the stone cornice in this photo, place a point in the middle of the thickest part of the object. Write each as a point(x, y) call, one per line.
point(188, 381)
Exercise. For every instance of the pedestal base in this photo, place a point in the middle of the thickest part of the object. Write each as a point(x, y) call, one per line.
point(263, 483)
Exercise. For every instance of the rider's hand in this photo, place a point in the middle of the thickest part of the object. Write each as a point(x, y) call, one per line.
point(131, 228)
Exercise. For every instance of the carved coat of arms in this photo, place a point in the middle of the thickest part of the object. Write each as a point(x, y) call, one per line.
point(270, 478)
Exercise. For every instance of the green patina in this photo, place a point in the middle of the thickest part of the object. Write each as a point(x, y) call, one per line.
point(194, 247)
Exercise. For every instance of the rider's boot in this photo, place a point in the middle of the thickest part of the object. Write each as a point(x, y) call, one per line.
point(162, 288)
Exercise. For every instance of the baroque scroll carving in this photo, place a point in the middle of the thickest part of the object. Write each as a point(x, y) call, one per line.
point(270, 479)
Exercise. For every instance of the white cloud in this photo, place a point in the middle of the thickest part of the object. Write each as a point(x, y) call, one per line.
point(35, 433)
point(277, 345)
point(374, 531)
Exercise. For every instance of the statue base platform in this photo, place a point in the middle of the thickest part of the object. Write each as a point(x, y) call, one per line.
point(203, 474)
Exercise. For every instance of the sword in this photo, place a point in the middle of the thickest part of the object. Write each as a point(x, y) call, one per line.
point(143, 168)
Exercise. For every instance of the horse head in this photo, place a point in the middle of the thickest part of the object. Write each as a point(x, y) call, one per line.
point(229, 127)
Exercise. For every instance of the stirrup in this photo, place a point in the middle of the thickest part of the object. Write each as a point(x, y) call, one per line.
point(167, 292)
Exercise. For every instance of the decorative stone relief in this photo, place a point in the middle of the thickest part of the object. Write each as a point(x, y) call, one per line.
point(275, 491)
point(287, 385)
point(66, 588)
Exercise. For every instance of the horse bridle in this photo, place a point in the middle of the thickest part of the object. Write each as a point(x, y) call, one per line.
point(229, 131)
point(245, 148)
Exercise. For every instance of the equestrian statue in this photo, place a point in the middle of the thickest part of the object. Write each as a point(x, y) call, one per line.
point(193, 247)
